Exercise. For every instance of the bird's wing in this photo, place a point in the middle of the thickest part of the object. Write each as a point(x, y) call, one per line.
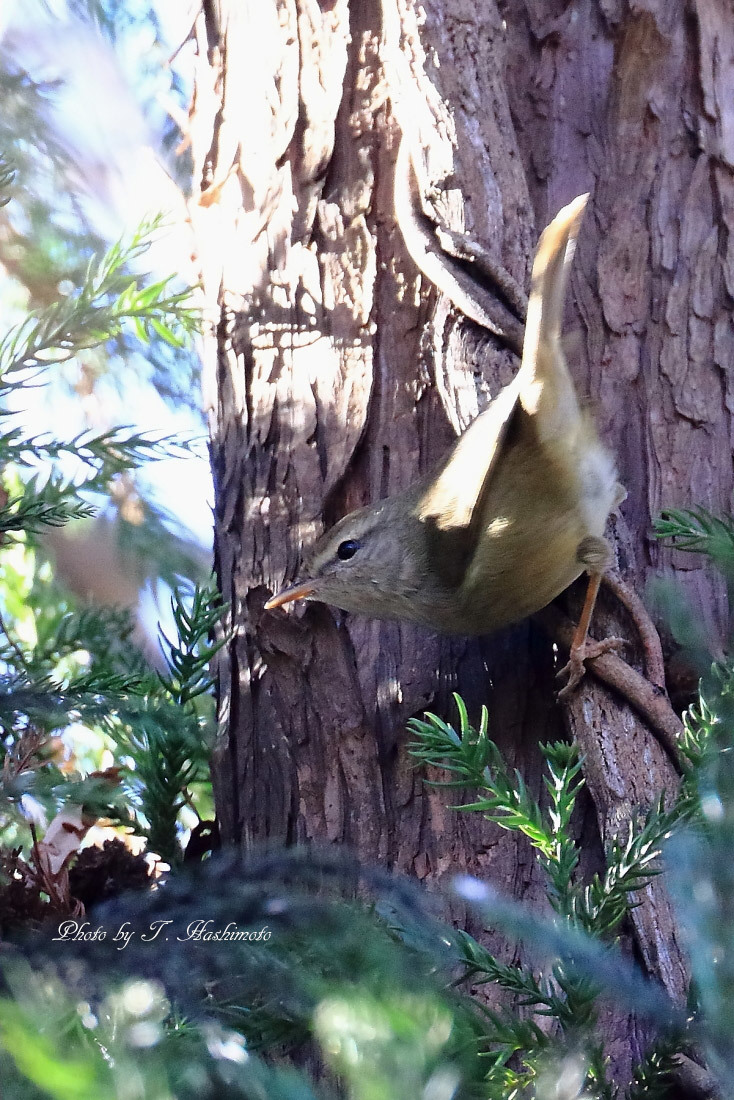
point(450, 504)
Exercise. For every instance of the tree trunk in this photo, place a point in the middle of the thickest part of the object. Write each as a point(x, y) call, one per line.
point(337, 376)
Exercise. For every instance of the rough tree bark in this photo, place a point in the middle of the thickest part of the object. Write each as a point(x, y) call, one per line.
point(335, 376)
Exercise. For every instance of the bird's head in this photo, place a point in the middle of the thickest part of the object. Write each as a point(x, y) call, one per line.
point(372, 561)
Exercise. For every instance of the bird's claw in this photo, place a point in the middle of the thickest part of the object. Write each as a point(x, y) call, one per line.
point(575, 669)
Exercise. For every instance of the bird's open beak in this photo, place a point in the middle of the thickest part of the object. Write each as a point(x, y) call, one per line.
point(295, 592)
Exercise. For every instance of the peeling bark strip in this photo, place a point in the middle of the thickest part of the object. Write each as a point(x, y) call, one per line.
point(324, 393)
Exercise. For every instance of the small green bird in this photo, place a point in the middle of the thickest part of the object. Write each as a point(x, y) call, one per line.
point(513, 514)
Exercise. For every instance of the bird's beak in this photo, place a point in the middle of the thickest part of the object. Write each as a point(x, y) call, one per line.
point(296, 592)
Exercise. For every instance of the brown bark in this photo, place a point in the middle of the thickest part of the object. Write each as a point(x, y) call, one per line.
point(325, 392)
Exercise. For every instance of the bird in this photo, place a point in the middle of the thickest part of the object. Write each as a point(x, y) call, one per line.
point(512, 515)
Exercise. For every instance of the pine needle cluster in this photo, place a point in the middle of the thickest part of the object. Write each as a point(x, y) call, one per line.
point(80, 667)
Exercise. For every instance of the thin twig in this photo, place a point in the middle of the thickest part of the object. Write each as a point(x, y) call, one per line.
point(649, 700)
point(649, 637)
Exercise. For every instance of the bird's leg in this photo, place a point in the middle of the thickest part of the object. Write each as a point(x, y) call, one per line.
point(595, 554)
point(584, 648)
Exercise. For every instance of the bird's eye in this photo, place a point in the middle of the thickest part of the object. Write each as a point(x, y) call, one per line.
point(347, 550)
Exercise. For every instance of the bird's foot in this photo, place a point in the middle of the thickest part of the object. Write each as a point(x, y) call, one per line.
point(579, 655)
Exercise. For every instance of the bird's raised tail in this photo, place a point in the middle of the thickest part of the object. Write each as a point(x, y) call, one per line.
point(545, 387)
